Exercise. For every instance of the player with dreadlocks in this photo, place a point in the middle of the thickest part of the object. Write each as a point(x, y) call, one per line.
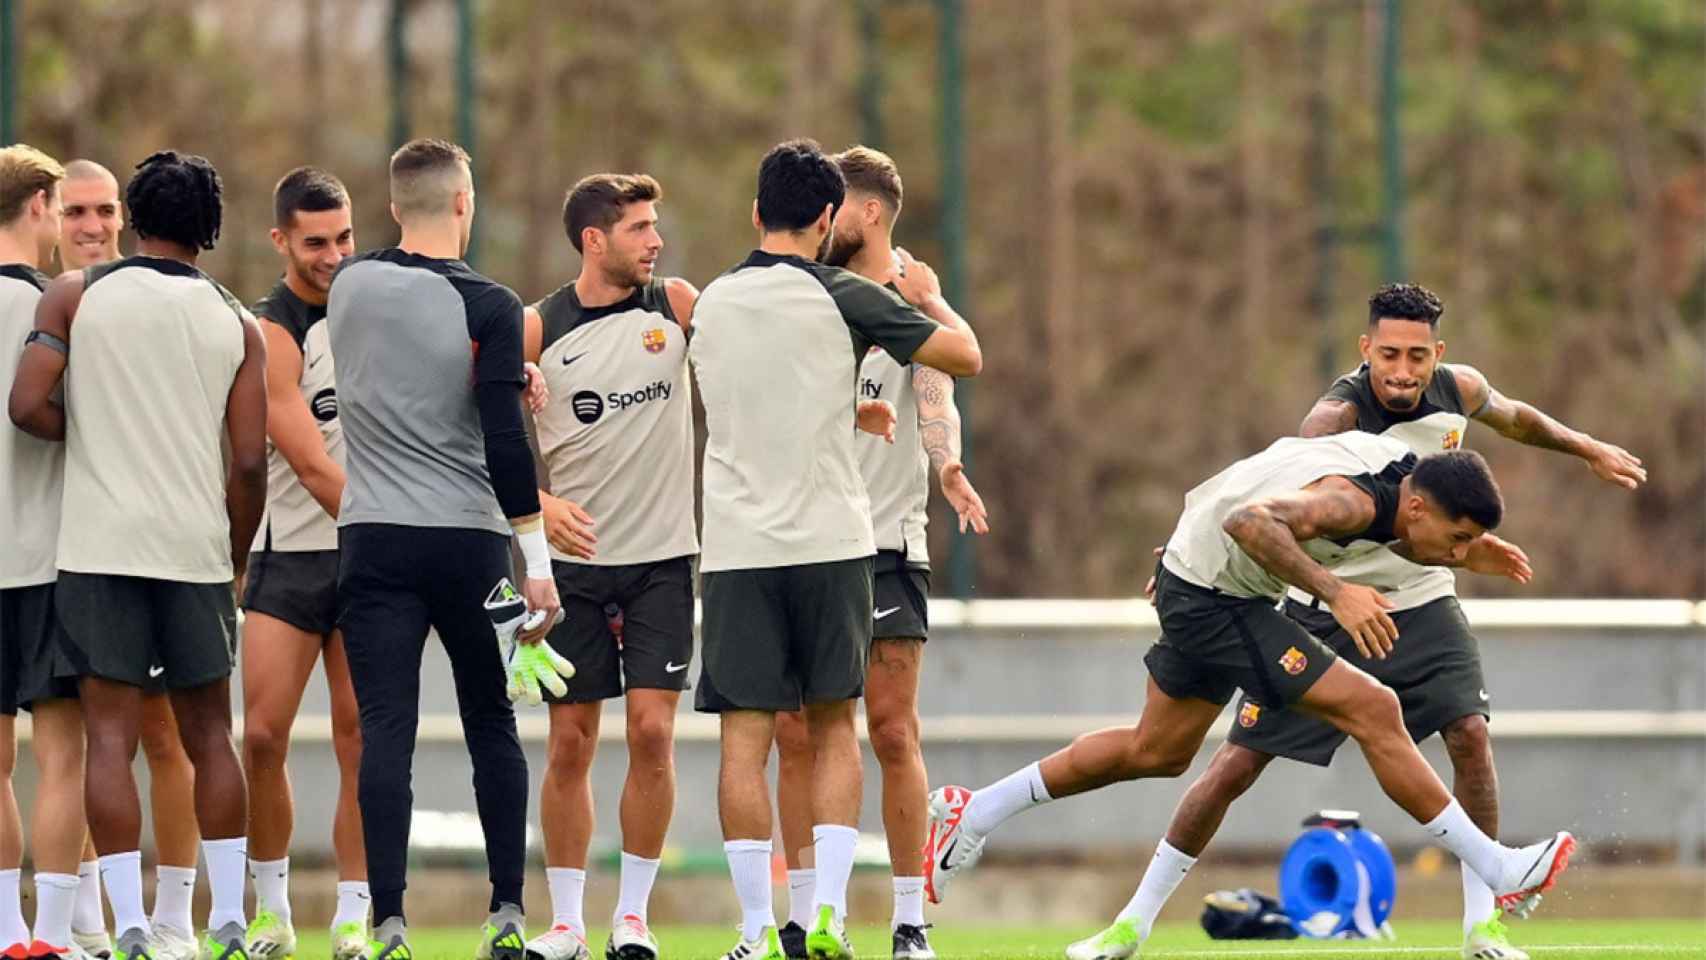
point(160, 366)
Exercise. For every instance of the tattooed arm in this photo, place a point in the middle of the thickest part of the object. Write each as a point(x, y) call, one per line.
point(1526, 423)
point(1272, 531)
point(939, 431)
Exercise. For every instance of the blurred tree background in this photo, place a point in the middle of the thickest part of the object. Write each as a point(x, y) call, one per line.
point(1143, 227)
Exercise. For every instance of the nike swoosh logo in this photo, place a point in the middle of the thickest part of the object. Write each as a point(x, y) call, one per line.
point(569, 360)
point(948, 853)
point(879, 614)
point(674, 667)
point(1484, 694)
point(316, 361)
point(1033, 788)
point(156, 671)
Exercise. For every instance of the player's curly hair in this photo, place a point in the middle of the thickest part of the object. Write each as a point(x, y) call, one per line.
point(175, 196)
point(1405, 301)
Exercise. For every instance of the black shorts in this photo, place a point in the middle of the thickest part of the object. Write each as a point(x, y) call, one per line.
point(1435, 668)
point(33, 662)
point(655, 601)
point(299, 587)
point(776, 638)
point(148, 632)
point(1213, 643)
point(901, 604)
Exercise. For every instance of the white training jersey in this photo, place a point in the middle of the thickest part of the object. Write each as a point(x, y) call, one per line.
point(896, 475)
point(31, 469)
point(776, 346)
point(1438, 423)
point(294, 520)
point(1202, 552)
point(155, 348)
point(617, 436)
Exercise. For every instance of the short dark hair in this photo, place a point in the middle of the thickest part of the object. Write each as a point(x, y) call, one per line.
point(1405, 301)
point(419, 170)
point(598, 201)
point(1462, 484)
point(309, 190)
point(176, 196)
point(795, 182)
point(872, 171)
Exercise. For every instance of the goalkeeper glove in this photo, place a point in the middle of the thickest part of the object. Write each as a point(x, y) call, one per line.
point(527, 667)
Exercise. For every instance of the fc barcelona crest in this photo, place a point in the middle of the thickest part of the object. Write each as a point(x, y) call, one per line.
point(654, 340)
point(1248, 715)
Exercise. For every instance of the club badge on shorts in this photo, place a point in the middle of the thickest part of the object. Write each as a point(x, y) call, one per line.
point(1294, 662)
point(654, 340)
point(1249, 714)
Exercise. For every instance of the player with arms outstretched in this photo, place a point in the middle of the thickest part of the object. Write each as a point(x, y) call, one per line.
point(1403, 390)
point(1292, 515)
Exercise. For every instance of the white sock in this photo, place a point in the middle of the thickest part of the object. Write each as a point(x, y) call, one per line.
point(833, 853)
point(1166, 871)
point(802, 884)
point(89, 916)
point(272, 886)
point(1478, 904)
point(56, 898)
point(908, 902)
point(749, 865)
point(13, 929)
point(995, 804)
point(1453, 830)
point(568, 894)
point(638, 875)
point(121, 873)
point(354, 903)
point(174, 894)
point(225, 862)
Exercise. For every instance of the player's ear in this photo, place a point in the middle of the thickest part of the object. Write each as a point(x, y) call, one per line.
point(279, 241)
point(1362, 346)
point(1439, 350)
point(757, 224)
point(826, 218)
point(395, 216)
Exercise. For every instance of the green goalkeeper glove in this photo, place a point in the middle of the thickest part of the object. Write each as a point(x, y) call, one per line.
point(527, 667)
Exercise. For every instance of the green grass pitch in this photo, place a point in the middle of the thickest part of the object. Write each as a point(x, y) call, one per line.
point(1564, 940)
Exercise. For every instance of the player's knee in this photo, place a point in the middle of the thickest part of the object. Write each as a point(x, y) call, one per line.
point(1468, 741)
point(793, 740)
point(346, 745)
point(265, 744)
point(1150, 759)
point(1233, 771)
point(651, 737)
point(894, 739)
point(570, 747)
point(1376, 713)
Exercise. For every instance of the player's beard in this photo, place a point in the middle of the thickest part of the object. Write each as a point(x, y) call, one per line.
point(625, 273)
point(841, 250)
point(305, 270)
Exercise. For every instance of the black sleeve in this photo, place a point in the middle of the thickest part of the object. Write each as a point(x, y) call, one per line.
point(1383, 487)
point(494, 326)
point(878, 314)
